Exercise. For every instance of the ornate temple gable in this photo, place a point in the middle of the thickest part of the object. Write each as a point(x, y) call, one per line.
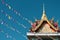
point(40, 24)
point(44, 18)
point(44, 29)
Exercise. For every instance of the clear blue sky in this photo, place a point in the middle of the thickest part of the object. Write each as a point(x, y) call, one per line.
point(14, 26)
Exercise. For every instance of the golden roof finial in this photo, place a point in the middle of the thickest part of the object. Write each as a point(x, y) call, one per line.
point(52, 18)
point(35, 19)
point(43, 8)
point(57, 21)
point(44, 15)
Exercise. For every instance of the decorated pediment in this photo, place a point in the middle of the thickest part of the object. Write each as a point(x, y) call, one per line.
point(44, 25)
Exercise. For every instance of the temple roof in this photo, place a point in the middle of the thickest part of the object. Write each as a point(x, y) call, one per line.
point(44, 18)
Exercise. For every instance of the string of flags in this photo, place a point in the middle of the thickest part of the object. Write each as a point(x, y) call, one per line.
point(10, 8)
point(11, 18)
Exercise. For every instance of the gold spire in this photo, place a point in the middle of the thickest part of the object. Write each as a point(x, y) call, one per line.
point(43, 9)
point(44, 15)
